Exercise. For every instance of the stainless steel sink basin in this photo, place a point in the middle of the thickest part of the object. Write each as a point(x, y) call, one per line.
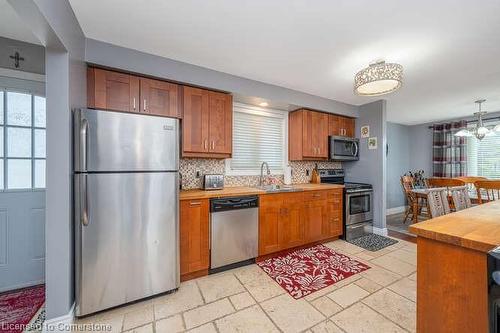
point(278, 188)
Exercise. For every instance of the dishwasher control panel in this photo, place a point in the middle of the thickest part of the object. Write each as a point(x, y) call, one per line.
point(233, 203)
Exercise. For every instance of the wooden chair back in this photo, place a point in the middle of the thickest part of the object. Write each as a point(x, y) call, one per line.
point(460, 196)
point(487, 190)
point(407, 183)
point(437, 201)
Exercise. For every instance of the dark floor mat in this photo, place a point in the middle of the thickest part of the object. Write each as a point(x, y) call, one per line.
point(373, 242)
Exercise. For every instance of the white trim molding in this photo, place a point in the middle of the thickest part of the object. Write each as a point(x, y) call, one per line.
point(60, 324)
point(395, 210)
point(22, 75)
point(380, 231)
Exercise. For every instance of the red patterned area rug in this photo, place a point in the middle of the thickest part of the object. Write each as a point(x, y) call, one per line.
point(305, 271)
point(18, 307)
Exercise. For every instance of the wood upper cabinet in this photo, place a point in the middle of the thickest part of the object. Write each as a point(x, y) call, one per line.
point(194, 235)
point(207, 123)
point(112, 91)
point(341, 126)
point(220, 123)
point(307, 135)
point(195, 120)
point(115, 91)
point(160, 98)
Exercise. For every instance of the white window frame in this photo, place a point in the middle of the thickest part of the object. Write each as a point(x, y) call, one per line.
point(33, 93)
point(240, 107)
point(470, 127)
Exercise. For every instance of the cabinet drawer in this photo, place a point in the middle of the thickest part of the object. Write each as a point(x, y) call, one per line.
point(315, 195)
point(335, 195)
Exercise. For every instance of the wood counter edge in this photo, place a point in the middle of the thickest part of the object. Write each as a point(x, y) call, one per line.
point(196, 194)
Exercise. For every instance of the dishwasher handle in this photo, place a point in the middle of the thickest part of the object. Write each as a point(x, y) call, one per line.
point(234, 203)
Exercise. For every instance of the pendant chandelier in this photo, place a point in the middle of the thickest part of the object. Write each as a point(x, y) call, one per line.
point(480, 130)
point(378, 78)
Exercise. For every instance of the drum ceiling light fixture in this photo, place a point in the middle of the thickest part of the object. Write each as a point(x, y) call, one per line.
point(378, 78)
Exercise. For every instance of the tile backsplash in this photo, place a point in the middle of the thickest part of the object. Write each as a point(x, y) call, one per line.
point(189, 167)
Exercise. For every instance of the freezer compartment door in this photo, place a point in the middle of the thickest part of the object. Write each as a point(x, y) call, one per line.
point(127, 238)
point(116, 141)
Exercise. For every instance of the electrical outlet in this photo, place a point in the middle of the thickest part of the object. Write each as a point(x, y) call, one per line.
point(307, 172)
point(198, 174)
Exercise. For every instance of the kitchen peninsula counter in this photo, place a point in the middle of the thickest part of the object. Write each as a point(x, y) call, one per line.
point(452, 278)
point(247, 190)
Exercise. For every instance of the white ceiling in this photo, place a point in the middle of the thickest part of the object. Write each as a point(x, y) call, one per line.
point(11, 26)
point(450, 49)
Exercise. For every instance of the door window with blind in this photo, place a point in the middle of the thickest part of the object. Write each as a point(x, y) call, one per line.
point(258, 136)
point(483, 156)
point(22, 140)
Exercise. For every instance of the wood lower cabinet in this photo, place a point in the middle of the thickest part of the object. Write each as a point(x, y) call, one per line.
point(207, 124)
point(109, 90)
point(194, 236)
point(288, 220)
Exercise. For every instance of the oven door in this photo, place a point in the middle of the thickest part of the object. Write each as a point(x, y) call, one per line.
point(359, 207)
point(343, 149)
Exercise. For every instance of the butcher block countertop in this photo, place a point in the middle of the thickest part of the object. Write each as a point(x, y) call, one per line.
point(476, 228)
point(247, 190)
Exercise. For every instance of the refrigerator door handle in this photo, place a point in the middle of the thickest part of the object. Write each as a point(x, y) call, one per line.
point(83, 143)
point(85, 196)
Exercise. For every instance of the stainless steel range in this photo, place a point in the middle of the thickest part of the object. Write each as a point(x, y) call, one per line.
point(358, 200)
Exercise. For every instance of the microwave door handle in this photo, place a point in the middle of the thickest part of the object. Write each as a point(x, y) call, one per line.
point(357, 148)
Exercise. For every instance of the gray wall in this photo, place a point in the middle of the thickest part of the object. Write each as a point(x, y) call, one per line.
point(113, 56)
point(371, 167)
point(34, 55)
point(398, 162)
point(54, 23)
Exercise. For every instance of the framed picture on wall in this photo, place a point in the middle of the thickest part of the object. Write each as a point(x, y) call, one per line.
point(372, 143)
point(365, 131)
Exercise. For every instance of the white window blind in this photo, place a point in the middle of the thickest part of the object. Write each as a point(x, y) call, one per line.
point(483, 157)
point(258, 136)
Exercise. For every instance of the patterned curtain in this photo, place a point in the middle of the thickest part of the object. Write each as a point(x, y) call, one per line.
point(449, 153)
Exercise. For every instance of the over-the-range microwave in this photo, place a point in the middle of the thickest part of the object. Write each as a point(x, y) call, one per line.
point(343, 148)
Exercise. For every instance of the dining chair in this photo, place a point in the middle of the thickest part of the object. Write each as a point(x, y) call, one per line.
point(460, 196)
point(408, 184)
point(437, 201)
point(487, 190)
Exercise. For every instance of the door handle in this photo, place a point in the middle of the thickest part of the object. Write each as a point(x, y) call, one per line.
point(85, 212)
point(213, 145)
point(195, 203)
point(205, 144)
point(356, 149)
point(145, 105)
point(134, 103)
point(83, 144)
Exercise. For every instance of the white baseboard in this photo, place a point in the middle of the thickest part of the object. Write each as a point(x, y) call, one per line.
point(380, 231)
point(395, 210)
point(60, 324)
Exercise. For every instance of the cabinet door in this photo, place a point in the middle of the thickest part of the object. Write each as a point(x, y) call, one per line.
point(321, 134)
point(308, 141)
point(194, 235)
point(220, 123)
point(349, 127)
point(195, 120)
point(291, 225)
point(333, 125)
point(314, 216)
point(334, 219)
point(159, 98)
point(109, 90)
point(269, 220)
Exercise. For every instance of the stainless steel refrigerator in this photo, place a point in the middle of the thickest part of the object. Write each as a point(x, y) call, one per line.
point(126, 186)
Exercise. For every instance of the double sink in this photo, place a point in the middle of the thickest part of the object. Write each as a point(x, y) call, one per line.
point(278, 188)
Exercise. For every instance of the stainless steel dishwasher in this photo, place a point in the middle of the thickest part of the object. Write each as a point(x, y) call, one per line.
point(234, 231)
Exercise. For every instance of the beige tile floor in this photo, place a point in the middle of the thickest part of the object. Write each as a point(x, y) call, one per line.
point(381, 299)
